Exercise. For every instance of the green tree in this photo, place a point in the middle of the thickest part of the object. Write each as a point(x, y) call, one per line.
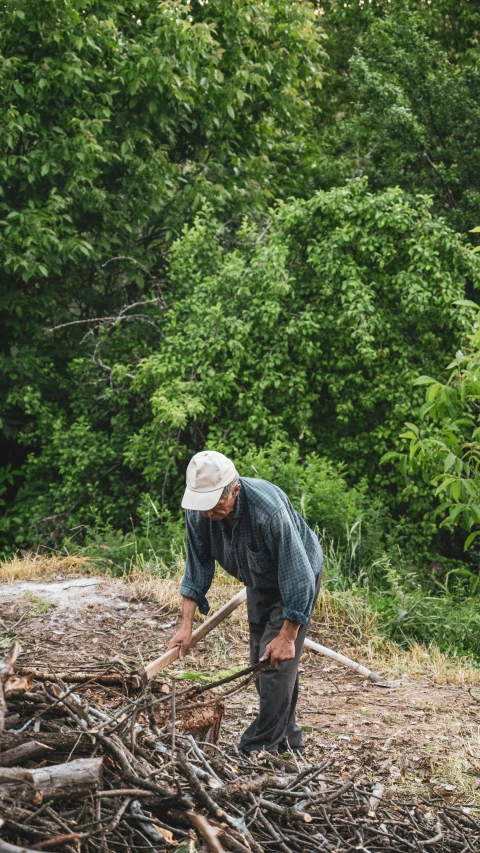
point(118, 120)
point(402, 97)
point(310, 332)
point(444, 447)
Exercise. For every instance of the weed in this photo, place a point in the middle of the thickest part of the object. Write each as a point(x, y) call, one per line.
point(42, 605)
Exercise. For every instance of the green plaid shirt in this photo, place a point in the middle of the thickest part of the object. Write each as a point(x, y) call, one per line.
point(269, 546)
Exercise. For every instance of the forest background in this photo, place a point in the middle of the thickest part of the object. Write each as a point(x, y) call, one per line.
point(249, 226)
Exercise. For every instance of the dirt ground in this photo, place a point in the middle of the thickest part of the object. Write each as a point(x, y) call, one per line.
point(419, 738)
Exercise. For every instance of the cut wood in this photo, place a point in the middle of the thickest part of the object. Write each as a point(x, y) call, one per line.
point(23, 752)
point(6, 671)
point(109, 679)
point(60, 742)
point(160, 663)
point(73, 779)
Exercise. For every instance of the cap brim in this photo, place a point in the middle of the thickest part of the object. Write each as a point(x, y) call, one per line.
point(201, 500)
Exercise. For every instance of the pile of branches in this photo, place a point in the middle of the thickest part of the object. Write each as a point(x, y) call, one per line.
point(91, 769)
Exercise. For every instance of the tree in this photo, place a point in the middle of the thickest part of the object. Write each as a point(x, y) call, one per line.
point(118, 120)
point(444, 448)
point(404, 100)
point(309, 333)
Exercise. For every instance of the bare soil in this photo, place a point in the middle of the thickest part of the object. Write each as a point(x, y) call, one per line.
point(420, 738)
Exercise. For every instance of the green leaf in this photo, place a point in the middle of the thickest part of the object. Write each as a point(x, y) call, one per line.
point(424, 380)
point(449, 461)
point(387, 457)
point(471, 538)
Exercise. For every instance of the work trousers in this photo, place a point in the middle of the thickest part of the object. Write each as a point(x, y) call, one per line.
point(275, 725)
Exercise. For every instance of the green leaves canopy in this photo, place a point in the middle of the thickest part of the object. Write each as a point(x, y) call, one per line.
point(308, 332)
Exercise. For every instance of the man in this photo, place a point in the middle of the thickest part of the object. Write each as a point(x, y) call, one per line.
point(250, 527)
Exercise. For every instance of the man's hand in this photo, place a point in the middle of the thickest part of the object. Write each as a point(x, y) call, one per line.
point(182, 638)
point(280, 649)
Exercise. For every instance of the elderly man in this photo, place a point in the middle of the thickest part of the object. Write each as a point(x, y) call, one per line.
point(250, 527)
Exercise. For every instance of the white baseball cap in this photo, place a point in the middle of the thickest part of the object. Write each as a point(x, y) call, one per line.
point(208, 473)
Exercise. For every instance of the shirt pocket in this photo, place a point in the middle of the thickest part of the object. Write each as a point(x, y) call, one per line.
point(260, 562)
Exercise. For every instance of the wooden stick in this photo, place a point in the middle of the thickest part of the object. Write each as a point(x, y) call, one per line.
point(351, 664)
point(207, 832)
point(168, 657)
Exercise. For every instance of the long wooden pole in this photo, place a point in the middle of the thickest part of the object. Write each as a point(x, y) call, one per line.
point(167, 658)
point(351, 664)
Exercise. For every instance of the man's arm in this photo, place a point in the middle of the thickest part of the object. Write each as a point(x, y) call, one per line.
point(296, 581)
point(199, 569)
point(183, 637)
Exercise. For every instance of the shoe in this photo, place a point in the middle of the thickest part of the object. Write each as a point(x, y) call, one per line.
point(256, 752)
point(285, 747)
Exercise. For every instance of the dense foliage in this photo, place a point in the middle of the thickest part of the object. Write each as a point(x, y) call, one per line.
point(311, 335)
point(445, 447)
point(404, 100)
point(243, 224)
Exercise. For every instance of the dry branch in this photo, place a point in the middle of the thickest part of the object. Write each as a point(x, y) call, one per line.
point(149, 795)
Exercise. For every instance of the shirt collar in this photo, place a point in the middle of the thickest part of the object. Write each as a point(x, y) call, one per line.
point(239, 504)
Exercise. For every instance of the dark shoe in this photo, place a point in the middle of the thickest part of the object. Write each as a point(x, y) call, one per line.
point(284, 747)
point(256, 752)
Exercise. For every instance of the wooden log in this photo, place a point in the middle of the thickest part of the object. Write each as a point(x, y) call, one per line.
point(60, 742)
point(168, 657)
point(23, 752)
point(73, 779)
point(6, 670)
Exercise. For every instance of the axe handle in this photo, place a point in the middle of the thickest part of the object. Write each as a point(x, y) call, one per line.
point(168, 657)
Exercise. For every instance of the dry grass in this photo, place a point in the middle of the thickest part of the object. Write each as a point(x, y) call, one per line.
point(422, 663)
point(165, 592)
point(44, 567)
point(349, 617)
point(341, 613)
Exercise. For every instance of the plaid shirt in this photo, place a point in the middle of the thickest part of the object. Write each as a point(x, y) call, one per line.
point(269, 546)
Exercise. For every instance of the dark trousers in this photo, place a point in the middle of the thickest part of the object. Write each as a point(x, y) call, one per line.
point(275, 725)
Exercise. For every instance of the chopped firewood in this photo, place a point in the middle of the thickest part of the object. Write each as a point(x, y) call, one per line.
point(144, 782)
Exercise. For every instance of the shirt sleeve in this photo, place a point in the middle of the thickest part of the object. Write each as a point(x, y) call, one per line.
point(199, 566)
point(296, 578)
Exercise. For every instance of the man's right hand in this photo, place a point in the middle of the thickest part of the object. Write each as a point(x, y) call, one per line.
point(182, 638)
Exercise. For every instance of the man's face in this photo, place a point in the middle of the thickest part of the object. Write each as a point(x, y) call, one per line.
point(224, 507)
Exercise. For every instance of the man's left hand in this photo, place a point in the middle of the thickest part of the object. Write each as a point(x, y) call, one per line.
point(279, 650)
